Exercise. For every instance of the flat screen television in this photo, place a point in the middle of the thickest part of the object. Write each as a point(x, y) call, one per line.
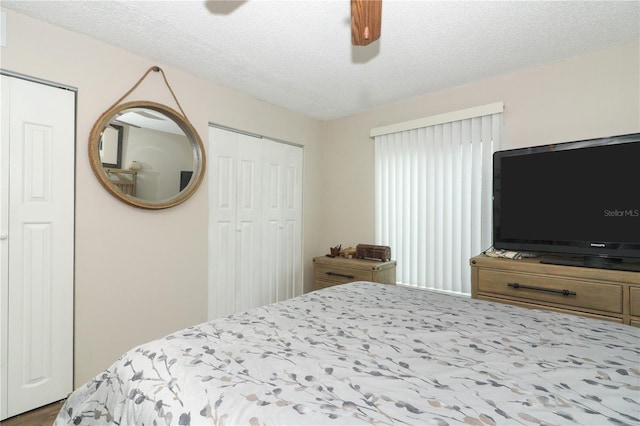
point(577, 202)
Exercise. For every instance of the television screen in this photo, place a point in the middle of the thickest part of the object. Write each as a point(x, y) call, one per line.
point(578, 198)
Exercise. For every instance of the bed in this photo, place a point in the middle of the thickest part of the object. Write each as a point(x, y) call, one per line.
point(367, 353)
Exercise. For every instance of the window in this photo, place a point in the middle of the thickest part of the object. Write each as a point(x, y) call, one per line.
point(433, 194)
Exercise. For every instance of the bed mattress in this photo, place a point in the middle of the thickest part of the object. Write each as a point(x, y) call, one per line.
point(366, 353)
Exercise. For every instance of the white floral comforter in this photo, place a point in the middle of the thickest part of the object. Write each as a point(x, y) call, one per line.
point(365, 353)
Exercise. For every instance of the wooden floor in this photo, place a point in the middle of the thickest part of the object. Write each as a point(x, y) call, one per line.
point(43, 416)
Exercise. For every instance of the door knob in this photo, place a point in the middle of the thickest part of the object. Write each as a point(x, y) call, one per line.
point(4, 236)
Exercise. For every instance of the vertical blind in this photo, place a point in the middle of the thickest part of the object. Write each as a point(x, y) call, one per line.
point(433, 196)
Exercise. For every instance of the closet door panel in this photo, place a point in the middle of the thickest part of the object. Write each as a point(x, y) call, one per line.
point(290, 259)
point(292, 218)
point(36, 163)
point(5, 98)
point(41, 255)
point(224, 233)
point(272, 218)
point(247, 267)
point(283, 214)
point(248, 215)
point(222, 297)
point(35, 348)
point(271, 259)
point(222, 224)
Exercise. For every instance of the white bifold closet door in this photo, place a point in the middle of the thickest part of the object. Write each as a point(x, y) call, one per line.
point(36, 244)
point(255, 221)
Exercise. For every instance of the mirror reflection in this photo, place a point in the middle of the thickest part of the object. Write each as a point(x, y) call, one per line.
point(147, 155)
point(155, 154)
point(111, 146)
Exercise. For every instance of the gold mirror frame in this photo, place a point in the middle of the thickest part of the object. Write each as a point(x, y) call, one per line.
point(199, 158)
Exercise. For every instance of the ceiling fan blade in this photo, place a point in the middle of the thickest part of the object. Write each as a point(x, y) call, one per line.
point(366, 21)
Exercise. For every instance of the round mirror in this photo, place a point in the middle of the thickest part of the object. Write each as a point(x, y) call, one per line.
point(147, 155)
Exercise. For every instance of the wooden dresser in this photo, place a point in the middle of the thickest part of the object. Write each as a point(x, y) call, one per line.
point(599, 293)
point(329, 271)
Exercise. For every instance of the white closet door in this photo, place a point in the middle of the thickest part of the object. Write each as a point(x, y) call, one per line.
point(282, 183)
point(272, 220)
point(234, 222)
point(38, 252)
point(222, 222)
point(4, 243)
point(292, 219)
point(255, 222)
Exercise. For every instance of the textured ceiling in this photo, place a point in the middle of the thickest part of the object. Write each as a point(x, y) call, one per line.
point(298, 54)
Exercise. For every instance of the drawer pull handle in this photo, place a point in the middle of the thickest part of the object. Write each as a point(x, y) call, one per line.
point(549, 290)
point(335, 274)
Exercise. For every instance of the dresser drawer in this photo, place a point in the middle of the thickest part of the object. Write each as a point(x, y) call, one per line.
point(548, 289)
point(634, 301)
point(340, 274)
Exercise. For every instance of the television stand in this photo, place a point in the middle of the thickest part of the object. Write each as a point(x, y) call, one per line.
point(592, 262)
point(608, 294)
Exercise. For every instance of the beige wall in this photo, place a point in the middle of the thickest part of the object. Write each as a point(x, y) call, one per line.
point(583, 97)
point(142, 274)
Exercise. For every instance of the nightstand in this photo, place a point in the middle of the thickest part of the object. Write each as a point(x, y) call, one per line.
point(329, 271)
